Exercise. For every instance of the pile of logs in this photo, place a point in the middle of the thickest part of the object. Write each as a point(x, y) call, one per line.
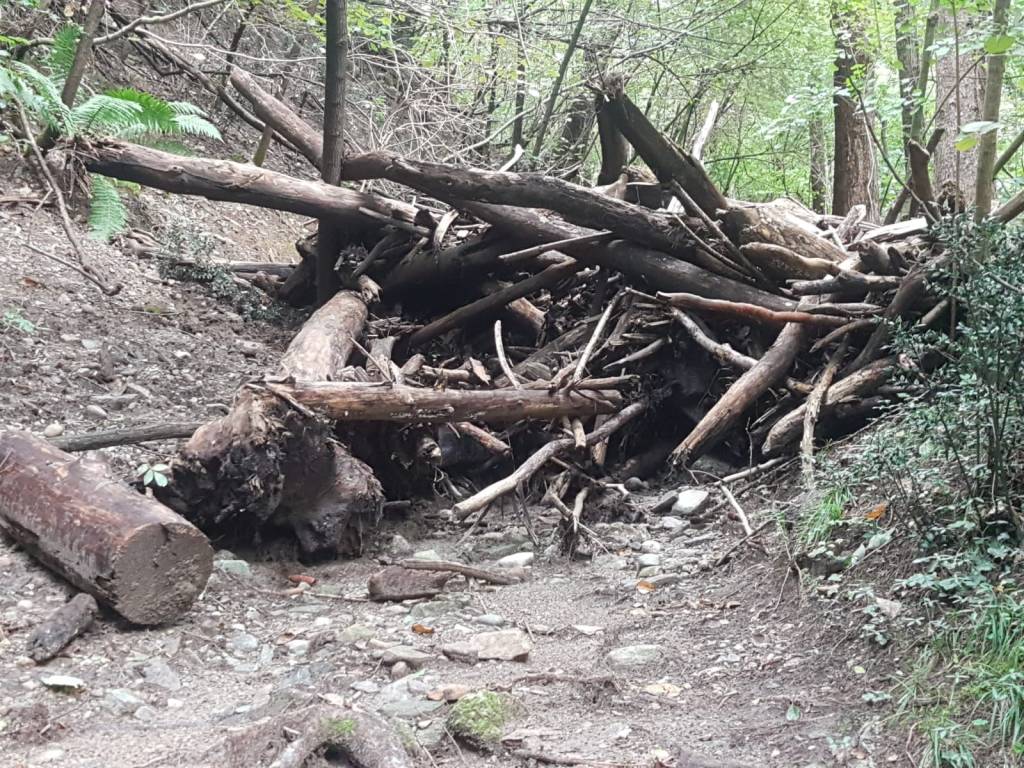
point(517, 336)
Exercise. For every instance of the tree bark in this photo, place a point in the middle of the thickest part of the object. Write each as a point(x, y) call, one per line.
point(330, 235)
point(125, 549)
point(990, 113)
point(61, 627)
point(959, 93)
point(855, 175)
point(614, 147)
point(356, 401)
point(83, 53)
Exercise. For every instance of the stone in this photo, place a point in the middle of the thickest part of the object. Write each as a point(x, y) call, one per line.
point(491, 620)
point(690, 502)
point(648, 560)
point(249, 348)
point(407, 654)
point(649, 572)
point(63, 683)
point(496, 544)
point(123, 701)
point(671, 523)
point(399, 546)
point(297, 647)
point(50, 755)
point(159, 673)
point(145, 714)
point(630, 656)
point(432, 609)
point(56, 429)
point(95, 412)
point(587, 629)
point(518, 560)
point(365, 686)
point(395, 584)
point(234, 567)
point(426, 554)
point(664, 579)
point(356, 633)
point(405, 698)
point(651, 547)
point(503, 645)
point(243, 643)
point(400, 670)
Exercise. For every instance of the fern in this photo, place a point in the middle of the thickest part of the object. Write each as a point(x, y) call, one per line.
point(62, 53)
point(195, 125)
point(38, 93)
point(105, 114)
point(107, 215)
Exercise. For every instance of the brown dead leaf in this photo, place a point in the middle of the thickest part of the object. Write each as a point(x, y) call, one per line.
point(878, 512)
point(301, 578)
point(422, 629)
point(645, 586)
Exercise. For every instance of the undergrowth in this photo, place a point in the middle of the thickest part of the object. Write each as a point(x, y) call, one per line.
point(185, 255)
point(944, 468)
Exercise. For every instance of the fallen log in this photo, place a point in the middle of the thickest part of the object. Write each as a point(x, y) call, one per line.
point(358, 401)
point(236, 183)
point(128, 436)
point(744, 392)
point(125, 549)
point(280, 117)
point(788, 429)
point(61, 627)
point(654, 269)
point(749, 312)
point(780, 263)
point(269, 463)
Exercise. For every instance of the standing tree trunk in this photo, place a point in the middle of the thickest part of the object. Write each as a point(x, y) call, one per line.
point(330, 236)
point(819, 167)
point(82, 53)
point(517, 122)
point(907, 54)
point(549, 109)
point(990, 113)
point(855, 179)
point(959, 92)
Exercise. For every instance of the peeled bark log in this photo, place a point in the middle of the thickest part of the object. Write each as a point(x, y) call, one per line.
point(749, 312)
point(125, 549)
point(268, 463)
point(780, 263)
point(356, 401)
point(767, 224)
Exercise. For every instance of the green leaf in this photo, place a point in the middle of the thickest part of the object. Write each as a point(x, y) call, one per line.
point(142, 469)
point(978, 127)
point(107, 214)
point(161, 468)
point(965, 143)
point(793, 713)
point(148, 477)
point(999, 44)
point(161, 480)
point(62, 52)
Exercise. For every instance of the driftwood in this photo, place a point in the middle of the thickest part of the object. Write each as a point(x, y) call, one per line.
point(128, 436)
point(125, 549)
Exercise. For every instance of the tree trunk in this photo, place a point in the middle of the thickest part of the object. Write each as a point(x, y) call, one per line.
point(855, 177)
point(909, 69)
point(269, 464)
point(125, 549)
point(556, 88)
point(83, 53)
point(330, 235)
point(959, 93)
point(819, 167)
point(990, 113)
point(614, 147)
point(280, 117)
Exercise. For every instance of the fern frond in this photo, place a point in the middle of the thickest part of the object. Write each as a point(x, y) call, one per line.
point(41, 95)
point(62, 52)
point(107, 214)
point(185, 108)
point(173, 146)
point(156, 116)
point(194, 125)
point(103, 115)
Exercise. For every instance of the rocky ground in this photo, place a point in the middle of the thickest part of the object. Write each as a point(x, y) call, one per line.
point(650, 654)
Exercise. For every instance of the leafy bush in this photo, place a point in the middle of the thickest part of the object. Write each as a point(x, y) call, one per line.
point(950, 457)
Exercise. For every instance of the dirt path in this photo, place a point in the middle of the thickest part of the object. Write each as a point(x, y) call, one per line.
point(715, 666)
